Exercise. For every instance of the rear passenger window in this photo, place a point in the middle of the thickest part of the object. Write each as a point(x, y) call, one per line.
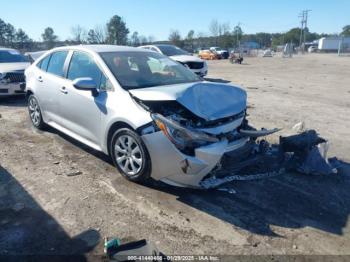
point(83, 65)
point(44, 63)
point(56, 63)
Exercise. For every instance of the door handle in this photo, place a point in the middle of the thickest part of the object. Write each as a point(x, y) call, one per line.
point(40, 79)
point(63, 90)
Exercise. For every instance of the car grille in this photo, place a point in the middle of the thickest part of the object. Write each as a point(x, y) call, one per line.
point(14, 77)
point(195, 65)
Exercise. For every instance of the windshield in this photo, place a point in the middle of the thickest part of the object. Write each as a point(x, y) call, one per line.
point(12, 56)
point(170, 50)
point(146, 69)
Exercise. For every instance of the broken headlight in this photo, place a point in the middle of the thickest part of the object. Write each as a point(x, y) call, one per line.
point(180, 136)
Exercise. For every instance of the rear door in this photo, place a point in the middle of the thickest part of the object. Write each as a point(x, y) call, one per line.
point(80, 110)
point(50, 79)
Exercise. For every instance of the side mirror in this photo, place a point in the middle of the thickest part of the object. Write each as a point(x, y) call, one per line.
point(86, 84)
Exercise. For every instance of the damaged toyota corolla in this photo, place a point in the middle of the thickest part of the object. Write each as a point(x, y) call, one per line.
point(153, 116)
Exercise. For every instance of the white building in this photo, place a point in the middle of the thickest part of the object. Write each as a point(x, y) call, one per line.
point(333, 43)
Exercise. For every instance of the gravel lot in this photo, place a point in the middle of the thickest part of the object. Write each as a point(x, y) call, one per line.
point(46, 209)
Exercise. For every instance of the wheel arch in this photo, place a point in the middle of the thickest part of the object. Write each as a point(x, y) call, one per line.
point(114, 127)
point(28, 93)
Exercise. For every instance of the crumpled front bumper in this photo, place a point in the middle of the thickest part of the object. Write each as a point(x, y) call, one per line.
point(171, 166)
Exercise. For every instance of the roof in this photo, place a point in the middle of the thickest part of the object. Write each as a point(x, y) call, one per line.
point(163, 45)
point(102, 48)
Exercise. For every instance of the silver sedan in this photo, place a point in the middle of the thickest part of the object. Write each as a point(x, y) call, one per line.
point(153, 116)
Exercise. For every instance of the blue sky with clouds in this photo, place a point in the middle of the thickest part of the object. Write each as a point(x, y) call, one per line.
point(158, 17)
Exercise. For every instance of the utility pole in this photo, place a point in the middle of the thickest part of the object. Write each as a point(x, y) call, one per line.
point(301, 27)
point(303, 16)
point(305, 25)
point(238, 26)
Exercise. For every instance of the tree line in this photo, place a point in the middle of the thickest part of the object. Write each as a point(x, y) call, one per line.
point(115, 31)
point(222, 35)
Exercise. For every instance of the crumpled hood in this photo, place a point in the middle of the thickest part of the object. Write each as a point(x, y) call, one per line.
point(207, 100)
point(8, 67)
point(186, 58)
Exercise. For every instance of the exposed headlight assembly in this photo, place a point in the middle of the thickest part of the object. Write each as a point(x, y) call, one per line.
point(180, 136)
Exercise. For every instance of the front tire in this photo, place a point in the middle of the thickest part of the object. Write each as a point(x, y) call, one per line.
point(35, 113)
point(130, 156)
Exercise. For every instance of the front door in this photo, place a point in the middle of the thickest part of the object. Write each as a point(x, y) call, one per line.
point(80, 110)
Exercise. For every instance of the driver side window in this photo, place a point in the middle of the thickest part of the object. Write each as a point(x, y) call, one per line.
point(83, 65)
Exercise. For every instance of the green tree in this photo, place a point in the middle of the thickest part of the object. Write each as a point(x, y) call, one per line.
point(226, 40)
point(135, 40)
point(21, 36)
point(346, 31)
point(49, 37)
point(238, 33)
point(22, 39)
point(263, 39)
point(92, 37)
point(277, 39)
point(292, 36)
point(10, 34)
point(189, 38)
point(2, 32)
point(117, 32)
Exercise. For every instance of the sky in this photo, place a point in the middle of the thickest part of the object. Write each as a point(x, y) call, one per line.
point(157, 17)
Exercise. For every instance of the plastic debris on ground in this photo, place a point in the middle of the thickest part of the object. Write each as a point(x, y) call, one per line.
point(305, 152)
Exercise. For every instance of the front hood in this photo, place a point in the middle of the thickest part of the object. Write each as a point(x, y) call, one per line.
point(9, 67)
point(186, 58)
point(209, 101)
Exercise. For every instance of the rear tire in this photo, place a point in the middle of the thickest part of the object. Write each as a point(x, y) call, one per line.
point(130, 155)
point(35, 113)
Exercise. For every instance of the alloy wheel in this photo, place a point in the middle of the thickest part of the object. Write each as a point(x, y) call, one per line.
point(34, 111)
point(128, 155)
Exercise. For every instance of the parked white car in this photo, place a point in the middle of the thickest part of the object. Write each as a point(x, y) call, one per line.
point(12, 66)
point(312, 49)
point(224, 54)
point(197, 65)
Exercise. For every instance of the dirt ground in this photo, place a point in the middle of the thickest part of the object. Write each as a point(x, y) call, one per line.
point(46, 209)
